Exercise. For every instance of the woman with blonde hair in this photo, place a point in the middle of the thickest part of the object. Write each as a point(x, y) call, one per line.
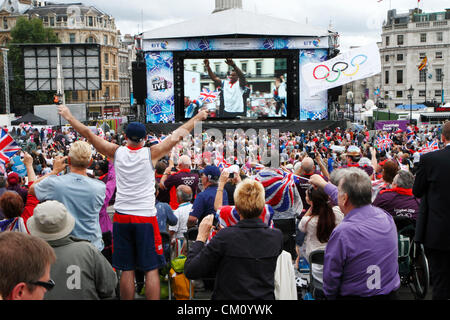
point(243, 257)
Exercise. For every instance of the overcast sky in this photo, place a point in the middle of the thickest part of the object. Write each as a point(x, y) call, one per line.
point(357, 21)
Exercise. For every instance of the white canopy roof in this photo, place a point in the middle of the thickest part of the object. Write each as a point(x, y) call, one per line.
point(235, 22)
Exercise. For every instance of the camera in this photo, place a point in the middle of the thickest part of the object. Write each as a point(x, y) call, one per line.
point(216, 222)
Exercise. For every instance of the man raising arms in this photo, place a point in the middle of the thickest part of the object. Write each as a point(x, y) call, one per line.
point(233, 90)
point(135, 214)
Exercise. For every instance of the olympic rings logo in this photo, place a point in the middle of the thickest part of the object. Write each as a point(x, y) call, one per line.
point(340, 67)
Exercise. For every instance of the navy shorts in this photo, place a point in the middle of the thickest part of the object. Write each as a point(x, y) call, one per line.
point(137, 243)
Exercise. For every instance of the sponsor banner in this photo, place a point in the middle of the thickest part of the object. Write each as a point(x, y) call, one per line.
point(391, 125)
point(355, 64)
point(312, 107)
point(198, 44)
point(160, 101)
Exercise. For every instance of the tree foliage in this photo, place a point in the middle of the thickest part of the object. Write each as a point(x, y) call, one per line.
point(26, 31)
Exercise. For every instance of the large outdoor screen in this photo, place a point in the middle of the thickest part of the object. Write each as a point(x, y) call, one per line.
point(236, 87)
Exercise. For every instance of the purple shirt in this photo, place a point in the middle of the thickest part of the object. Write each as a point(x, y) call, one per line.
point(398, 204)
point(361, 257)
point(105, 220)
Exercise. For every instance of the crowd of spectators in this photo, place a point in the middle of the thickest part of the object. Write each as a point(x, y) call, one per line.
point(86, 194)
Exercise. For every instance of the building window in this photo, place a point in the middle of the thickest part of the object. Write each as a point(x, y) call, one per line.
point(422, 93)
point(439, 75)
point(387, 40)
point(422, 75)
point(90, 21)
point(217, 68)
point(244, 67)
point(74, 95)
point(386, 58)
point(437, 93)
point(422, 55)
point(399, 94)
point(386, 77)
point(107, 92)
point(400, 57)
point(258, 68)
point(106, 57)
point(439, 55)
point(5, 23)
point(439, 36)
point(400, 39)
point(106, 74)
point(72, 37)
point(105, 39)
point(423, 37)
point(194, 67)
point(90, 40)
point(52, 21)
point(399, 76)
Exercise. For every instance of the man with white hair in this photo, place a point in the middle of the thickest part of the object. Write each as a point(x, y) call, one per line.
point(81, 195)
point(170, 181)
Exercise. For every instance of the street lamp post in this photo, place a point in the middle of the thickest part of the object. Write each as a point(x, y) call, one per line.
point(106, 96)
point(411, 91)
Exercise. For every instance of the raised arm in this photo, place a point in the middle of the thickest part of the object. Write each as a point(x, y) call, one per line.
point(161, 149)
point(218, 201)
point(102, 146)
point(211, 74)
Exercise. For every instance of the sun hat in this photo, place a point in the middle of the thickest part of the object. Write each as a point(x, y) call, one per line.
point(353, 151)
point(51, 221)
point(135, 131)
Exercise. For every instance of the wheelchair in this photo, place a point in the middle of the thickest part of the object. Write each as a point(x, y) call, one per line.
point(412, 262)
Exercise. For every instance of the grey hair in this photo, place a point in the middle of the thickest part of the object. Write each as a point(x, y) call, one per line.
point(404, 179)
point(356, 184)
point(183, 196)
point(336, 176)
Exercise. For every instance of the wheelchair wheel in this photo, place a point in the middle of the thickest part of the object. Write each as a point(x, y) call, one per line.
point(420, 275)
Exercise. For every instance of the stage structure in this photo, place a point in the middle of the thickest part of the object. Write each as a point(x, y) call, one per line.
point(239, 64)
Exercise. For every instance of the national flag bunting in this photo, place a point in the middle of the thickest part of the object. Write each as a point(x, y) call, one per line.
point(207, 96)
point(8, 147)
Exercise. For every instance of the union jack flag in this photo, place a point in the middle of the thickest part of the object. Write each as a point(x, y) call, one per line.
point(281, 190)
point(383, 143)
point(8, 147)
point(207, 96)
point(409, 131)
point(431, 146)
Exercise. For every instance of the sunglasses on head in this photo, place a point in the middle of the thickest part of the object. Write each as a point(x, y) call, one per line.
point(49, 285)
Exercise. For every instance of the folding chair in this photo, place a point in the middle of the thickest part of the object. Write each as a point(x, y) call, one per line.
point(165, 237)
point(190, 235)
point(316, 287)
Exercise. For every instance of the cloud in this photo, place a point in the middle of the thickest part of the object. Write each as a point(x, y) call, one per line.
point(355, 20)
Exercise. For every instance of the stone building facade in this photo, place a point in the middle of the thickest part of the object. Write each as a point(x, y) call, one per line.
point(79, 23)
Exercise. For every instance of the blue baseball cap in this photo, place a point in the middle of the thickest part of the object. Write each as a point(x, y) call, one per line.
point(212, 172)
point(135, 131)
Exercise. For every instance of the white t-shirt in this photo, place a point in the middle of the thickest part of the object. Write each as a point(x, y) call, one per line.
point(135, 182)
point(232, 96)
point(182, 213)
